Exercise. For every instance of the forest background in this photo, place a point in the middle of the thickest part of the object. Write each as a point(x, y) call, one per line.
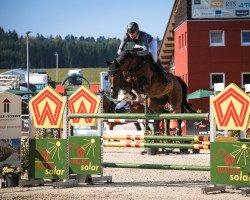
point(74, 52)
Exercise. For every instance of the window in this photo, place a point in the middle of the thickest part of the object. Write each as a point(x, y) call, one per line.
point(216, 78)
point(182, 41)
point(245, 38)
point(179, 42)
point(245, 79)
point(185, 39)
point(217, 38)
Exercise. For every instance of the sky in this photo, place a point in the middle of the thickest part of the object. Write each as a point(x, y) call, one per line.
point(88, 18)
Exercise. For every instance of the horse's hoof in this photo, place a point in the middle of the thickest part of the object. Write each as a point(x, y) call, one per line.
point(143, 152)
point(184, 151)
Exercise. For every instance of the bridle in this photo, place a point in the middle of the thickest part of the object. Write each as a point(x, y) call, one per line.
point(114, 71)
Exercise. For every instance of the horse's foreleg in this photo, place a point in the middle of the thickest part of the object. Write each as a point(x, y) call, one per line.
point(111, 125)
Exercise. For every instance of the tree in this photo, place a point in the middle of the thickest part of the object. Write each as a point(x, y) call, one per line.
point(73, 51)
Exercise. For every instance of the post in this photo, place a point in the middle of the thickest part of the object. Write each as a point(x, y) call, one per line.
point(28, 70)
point(56, 54)
point(146, 111)
point(212, 122)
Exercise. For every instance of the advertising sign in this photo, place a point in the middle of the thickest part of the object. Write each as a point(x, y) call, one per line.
point(10, 152)
point(231, 108)
point(85, 155)
point(80, 102)
point(47, 158)
point(10, 116)
point(105, 85)
point(47, 108)
point(25, 123)
point(220, 9)
point(230, 163)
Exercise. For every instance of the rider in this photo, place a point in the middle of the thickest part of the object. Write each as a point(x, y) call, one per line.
point(147, 43)
point(122, 99)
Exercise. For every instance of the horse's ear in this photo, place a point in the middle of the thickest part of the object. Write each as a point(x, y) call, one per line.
point(107, 62)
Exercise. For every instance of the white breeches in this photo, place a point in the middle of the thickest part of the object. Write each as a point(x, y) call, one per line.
point(120, 104)
point(152, 49)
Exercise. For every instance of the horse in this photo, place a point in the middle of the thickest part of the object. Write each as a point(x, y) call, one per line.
point(129, 71)
point(109, 107)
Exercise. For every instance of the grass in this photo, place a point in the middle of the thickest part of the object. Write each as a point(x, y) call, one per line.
point(91, 74)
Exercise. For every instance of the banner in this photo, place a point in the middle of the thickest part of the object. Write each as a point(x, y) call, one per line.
point(85, 155)
point(220, 9)
point(10, 116)
point(230, 163)
point(47, 158)
point(47, 108)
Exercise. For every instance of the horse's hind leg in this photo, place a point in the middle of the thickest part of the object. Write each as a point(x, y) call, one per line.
point(179, 131)
point(156, 125)
point(137, 126)
point(168, 127)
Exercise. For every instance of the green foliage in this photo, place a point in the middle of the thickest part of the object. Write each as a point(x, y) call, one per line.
point(10, 169)
point(25, 154)
point(46, 133)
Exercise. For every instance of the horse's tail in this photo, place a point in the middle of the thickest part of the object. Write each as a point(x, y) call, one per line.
point(184, 87)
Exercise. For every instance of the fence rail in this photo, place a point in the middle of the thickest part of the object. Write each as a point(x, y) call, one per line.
point(182, 116)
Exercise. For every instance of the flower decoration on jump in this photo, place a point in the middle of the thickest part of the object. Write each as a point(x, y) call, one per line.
point(11, 169)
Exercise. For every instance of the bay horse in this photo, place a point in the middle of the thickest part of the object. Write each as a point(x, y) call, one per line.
point(129, 72)
point(109, 107)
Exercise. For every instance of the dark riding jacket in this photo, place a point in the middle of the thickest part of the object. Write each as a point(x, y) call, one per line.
point(143, 39)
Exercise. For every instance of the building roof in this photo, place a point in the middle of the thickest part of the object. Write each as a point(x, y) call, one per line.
point(167, 47)
point(20, 92)
point(18, 72)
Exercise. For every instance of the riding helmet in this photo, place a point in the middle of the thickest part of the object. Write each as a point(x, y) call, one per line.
point(132, 27)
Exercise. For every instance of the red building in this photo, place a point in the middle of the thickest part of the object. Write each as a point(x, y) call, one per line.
point(208, 42)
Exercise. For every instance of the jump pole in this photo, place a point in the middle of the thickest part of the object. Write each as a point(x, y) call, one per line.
point(156, 166)
point(155, 145)
point(126, 120)
point(182, 116)
point(157, 137)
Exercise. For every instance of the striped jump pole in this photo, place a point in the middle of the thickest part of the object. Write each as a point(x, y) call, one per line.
point(181, 116)
point(157, 137)
point(126, 120)
point(156, 166)
point(140, 144)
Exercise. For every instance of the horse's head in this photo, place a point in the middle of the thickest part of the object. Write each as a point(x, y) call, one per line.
point(115, 74)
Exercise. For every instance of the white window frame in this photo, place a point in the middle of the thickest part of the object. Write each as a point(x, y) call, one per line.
point(222, 43)
point(211, 75)
point(244, 43)
point(243, 85)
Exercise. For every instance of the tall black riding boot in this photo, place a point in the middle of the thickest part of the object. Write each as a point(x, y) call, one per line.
point(162, 72)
